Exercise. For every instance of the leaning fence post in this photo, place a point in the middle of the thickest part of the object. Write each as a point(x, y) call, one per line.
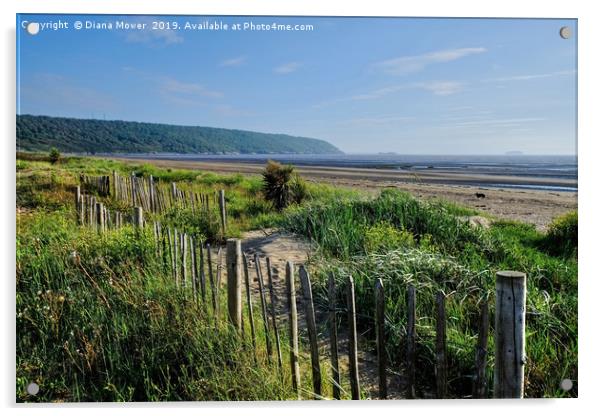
point(353, 367)
point(245, 263)
point(311, 331)
point(379, 300)
point(441, 366)
point(334, 342)
point(510, 359)
point(233, 264)
point(480, 384)
point(411, 343)
point(293, 327)
point(100, 219)
point(264, 310)
point(273, 312)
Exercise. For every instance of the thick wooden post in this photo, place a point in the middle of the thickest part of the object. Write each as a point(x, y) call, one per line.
point(138, 217)
point(353, 365)
point(411, 343)
point(234, 271)
point(480, 384)
point(312, 331)
point(273, 312)
point(379, 300)
point(245, 263)
point(334, 342)
point(441, 346)
point(222, 209)
point(293, 327)
point(510, 358)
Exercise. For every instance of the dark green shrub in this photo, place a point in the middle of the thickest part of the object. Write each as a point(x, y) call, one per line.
point(54, 155)
point(281, 186)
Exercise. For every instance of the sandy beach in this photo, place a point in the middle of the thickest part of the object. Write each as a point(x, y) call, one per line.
point(537, 207)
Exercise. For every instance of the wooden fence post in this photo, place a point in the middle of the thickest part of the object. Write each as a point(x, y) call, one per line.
point(184, 252)
point(222, 209)
point(510, 359)
point(379, 300)
point(78, 206)
point(138, 217)
point(100, 219)
point(249, 304)
point(353, 365)
point(311, 331)
point(234, 265)
point(334, 342)
point(273, 312)
point(293, 327)
point(480, 385)
point(264, 311)
point(411, 343)
point(211, 280)
point(441, 346)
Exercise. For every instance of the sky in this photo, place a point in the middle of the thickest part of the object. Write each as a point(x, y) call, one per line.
point(366, 85)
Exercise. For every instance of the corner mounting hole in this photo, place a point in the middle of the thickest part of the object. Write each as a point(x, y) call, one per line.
point(566, 384)
point(33, 389)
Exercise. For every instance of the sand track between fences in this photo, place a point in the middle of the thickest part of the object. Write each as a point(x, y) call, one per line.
point(281, 247)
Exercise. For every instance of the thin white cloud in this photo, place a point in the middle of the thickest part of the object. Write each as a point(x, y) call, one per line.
point(531, 76)
point(380, 120)
point(500, 121)
point(287, 68)
point(408, 64)
point(171, 85)
point(234, 61)
point(442, 87)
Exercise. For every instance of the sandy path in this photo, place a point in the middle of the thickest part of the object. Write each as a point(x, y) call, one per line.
point(280, 247)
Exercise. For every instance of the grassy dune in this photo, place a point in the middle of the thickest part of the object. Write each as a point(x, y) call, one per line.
point(99, 318)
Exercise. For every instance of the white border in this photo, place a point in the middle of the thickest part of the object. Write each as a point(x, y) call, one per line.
point(589, 194)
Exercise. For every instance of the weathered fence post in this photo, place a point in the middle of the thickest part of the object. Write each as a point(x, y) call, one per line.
point(78, 207)
point(138, 217)
point(222, 209)
point(234, 265)
point(100, 219)
point(441, 365)
point(211, 280)
point(249, 304)
point(184, 254)
point(411, 343)
point(273, 311)
point(353, 365)
point(311, 331)
point(379, 300)
point(264, 310)
point(510, 359)
point(293, 327)
point(480, 384)
point(334, 342)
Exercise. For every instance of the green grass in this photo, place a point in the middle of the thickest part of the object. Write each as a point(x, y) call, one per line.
point(109, 324)
point(406, 241)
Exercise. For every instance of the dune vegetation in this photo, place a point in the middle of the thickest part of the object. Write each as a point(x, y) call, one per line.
point(99, 318)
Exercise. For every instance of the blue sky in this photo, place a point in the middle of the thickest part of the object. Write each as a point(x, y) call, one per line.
point(367, 85)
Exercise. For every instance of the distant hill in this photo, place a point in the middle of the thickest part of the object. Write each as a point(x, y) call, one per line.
point(40, 133)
